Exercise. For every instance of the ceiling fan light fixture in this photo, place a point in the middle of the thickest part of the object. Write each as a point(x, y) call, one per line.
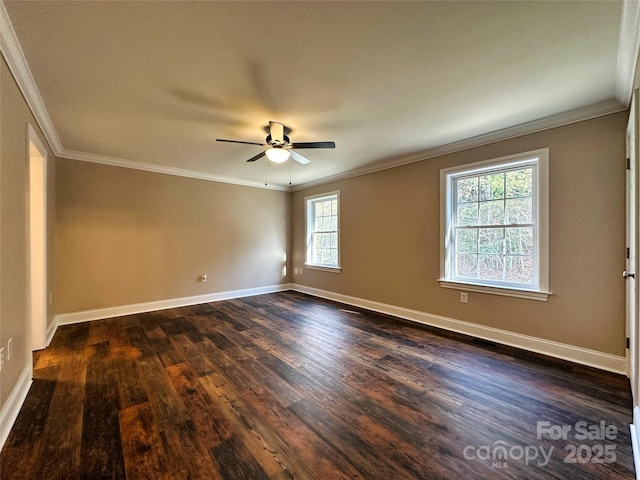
point(279, 148)
point(278, 155)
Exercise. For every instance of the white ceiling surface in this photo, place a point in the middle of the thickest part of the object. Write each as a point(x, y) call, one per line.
point(153, 84)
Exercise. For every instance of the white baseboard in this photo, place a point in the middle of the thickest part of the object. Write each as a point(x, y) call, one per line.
point(14, 403)
point(87, 315)
point(634, 440)
point(51, 331)
point(583, 356)
point(592, 358)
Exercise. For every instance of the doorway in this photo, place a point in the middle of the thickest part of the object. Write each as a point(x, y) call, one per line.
point(37, 211)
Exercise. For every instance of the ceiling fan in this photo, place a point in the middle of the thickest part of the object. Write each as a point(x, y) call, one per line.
point(279, 148)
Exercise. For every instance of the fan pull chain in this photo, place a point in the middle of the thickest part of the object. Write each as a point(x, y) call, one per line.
point(290, 162)
point(266, 164)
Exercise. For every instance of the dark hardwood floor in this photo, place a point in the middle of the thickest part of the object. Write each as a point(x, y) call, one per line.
point(285, 386)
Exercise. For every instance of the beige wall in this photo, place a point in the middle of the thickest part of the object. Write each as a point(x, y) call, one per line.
point(15, 117)
point(390, 239)
point(126, 236)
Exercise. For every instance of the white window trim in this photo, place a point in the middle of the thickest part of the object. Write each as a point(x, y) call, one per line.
point(541, 292)
point(323, 268)
point(309, 229)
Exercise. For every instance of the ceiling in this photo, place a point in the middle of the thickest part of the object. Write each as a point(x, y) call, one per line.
point(151, 85)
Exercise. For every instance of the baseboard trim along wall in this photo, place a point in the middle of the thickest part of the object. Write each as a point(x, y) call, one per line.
point(101, 313)
point(51, 330)
point(583, 356)
point(12, 406)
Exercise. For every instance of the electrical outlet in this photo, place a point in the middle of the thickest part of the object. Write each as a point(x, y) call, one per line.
point(464, 297)
point(10, 349)
point(203, 278)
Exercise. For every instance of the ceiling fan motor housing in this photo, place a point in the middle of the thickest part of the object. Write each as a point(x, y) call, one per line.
point(276, 142)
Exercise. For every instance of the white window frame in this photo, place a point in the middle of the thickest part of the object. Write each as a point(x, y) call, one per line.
point(310, 201)
point(540, 288)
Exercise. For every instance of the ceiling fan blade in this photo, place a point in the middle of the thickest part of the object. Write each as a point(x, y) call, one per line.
point(299, 158)
point(257, 157)
point(240, 141)
point(276, 130)
point(313, 145)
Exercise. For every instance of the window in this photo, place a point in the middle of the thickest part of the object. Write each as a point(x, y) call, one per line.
point(494, 224)
point(323, 223)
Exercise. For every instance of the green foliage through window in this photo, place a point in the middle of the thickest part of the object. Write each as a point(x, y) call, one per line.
point(493, 227)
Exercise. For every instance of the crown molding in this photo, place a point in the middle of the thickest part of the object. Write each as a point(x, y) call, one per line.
point(627, 62)
point(163, 169)
point(628, 49)
point(14, 56)
point(581, 114)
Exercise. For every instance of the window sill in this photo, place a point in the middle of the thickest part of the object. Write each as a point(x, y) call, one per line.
point(323, 268)
point(507, 292)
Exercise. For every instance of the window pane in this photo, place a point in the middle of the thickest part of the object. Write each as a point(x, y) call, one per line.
point(467, 189)
point(334, 207)
point(490, 240)
point(492, 213)
point(492, 186)
point(519, 241)
point(333, 257)
point(466, 265)
point(519, 210)
point(520, 183)
point(334, 240)
point(490, 267)
point(326, 224)
point(467, 241)
point(468, 214)
point(519, 269)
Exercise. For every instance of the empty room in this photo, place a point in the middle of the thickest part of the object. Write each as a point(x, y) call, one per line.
point(319, 240)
